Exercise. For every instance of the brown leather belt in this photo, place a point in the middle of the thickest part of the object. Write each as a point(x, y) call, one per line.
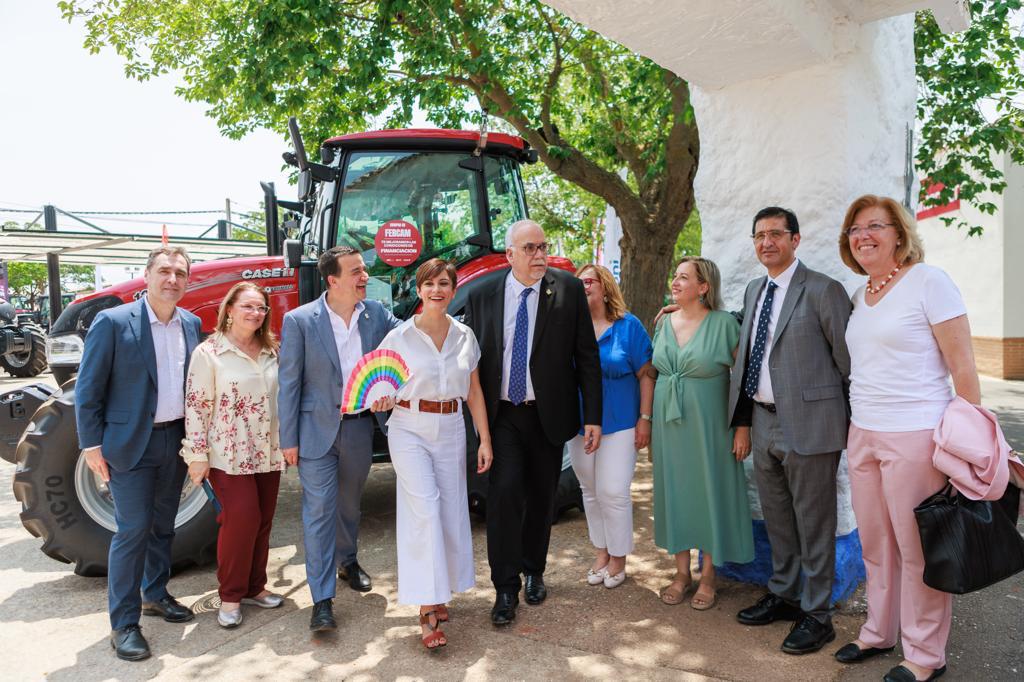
point(433, 406)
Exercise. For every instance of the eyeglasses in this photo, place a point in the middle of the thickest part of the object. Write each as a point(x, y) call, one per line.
point(531, 249)
point(774, 235)
point(261, 309)
point(589, 282)
point(870, 228)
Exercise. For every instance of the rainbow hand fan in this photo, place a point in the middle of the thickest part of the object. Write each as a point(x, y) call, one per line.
point(378, 374)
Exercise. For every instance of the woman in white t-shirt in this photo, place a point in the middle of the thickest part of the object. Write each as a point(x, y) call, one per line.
point(427, 440)
point(908, 333)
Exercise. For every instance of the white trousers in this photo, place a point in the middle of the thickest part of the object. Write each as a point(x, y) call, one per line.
point(605, 477)
point(435, 545)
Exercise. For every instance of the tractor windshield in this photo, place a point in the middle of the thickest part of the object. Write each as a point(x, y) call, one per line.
point(431, 192)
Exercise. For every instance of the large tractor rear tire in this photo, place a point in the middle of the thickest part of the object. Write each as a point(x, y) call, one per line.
point(30, 362)
point(71, 509)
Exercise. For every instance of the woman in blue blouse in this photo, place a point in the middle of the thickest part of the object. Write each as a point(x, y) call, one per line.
point(627, 379)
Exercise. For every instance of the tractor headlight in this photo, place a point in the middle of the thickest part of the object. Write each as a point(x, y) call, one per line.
point(65, 349)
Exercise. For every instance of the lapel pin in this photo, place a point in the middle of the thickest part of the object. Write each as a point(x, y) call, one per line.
point(366, 315)
point(549, 292)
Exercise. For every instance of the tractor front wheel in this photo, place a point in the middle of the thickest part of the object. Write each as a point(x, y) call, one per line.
point(30, 362)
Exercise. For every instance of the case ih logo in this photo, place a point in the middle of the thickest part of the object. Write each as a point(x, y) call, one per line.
point(268, 273)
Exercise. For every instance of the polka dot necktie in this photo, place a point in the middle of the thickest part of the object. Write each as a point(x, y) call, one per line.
point(760, 339)
point(517, 373)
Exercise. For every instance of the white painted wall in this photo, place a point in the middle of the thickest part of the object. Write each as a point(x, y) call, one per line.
point(974, 263)
point(1013, 254)
point(812, 141)
point(988, 269)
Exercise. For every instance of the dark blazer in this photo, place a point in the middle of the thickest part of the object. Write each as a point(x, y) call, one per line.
point(115, 393)
point(564, 360)
point(809, 363)
point(309, 376)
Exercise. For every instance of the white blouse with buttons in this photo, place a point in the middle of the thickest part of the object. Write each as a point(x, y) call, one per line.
point(231, 409)
point(434, 374)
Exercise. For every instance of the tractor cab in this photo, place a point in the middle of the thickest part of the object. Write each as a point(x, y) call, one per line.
point(401, 197)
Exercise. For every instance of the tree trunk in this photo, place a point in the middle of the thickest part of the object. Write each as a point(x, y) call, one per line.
point(646, 263)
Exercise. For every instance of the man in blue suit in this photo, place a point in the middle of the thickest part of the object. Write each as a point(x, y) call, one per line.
point(130, 408)
point(320, 344)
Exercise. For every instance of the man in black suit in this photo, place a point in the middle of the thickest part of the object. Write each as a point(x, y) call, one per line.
point(538, 353)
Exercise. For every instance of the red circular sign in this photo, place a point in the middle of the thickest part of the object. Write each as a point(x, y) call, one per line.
point(398, 243)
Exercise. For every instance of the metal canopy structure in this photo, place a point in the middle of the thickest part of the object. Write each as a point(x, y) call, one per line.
point(90, 248)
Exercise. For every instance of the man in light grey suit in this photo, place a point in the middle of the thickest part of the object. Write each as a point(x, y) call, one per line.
point(790, 384)
point(320, 344)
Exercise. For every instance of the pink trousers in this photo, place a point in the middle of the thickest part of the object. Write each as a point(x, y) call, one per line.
point(890, 474)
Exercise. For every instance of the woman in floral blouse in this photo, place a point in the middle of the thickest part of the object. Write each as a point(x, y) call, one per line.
point(231, 437)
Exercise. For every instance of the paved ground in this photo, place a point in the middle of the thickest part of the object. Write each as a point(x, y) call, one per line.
point(53, 623)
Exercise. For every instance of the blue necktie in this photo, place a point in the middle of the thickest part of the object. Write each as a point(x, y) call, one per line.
point(517, 372)
point(760, 339)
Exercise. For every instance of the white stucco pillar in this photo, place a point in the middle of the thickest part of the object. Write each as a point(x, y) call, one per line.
point(810, 140)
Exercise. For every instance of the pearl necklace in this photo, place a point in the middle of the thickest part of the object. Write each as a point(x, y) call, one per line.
point(875, 290)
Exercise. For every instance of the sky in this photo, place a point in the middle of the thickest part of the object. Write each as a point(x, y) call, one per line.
point(76, 133)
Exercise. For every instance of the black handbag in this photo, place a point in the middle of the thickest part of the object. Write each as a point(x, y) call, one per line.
point(969, 544)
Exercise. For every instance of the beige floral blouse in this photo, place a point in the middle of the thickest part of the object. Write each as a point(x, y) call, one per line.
point(231, 409)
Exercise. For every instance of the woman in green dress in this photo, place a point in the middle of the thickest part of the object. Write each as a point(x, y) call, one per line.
point(700, 490)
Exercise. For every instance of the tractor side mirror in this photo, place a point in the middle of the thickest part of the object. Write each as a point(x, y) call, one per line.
point(292, 253)
point(305, 185)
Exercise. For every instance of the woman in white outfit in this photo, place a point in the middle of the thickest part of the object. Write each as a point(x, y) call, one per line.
point(427, 440)
point(627, 379)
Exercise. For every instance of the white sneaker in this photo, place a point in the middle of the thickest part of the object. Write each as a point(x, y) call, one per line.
point(229, 619)
point(611, 581)
point(596, 577)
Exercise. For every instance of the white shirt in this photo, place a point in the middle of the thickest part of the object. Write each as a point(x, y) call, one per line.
point(169, 347)
point(899, 380)
point(434, 374)
point(513, 289)
point(347, 339)
point(764, 384)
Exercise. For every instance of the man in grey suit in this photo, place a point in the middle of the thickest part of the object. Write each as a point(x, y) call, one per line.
point(790, 384)
point(320, 344)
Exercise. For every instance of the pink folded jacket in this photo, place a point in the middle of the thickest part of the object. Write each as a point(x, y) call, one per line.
point(970, 448)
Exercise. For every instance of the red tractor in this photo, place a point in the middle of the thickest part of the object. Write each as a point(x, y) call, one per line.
point(460, 190)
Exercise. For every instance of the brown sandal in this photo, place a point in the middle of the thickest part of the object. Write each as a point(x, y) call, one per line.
point(435, 639)
point(442, 613)
point(672, 595)
point(702, 603)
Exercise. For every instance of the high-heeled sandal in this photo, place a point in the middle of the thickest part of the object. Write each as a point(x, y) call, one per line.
point(435, 639)
point(442, 613)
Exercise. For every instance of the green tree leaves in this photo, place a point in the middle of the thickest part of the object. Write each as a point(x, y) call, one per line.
point(968, 105)
point(589, 106)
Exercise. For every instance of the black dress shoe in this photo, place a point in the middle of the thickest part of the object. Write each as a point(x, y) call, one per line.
point(323, 616)
point(504, 610)
point(903, 674)
point(769, 609)
point(129, 644)
point(808, 635)
point(355, 576)
point(851, 653)
point(535, 590)
point(169, 608)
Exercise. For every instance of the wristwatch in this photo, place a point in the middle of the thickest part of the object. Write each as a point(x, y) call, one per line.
point(645, 416)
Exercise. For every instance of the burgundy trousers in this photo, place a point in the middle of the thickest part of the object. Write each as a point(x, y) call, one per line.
point(248, 502)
